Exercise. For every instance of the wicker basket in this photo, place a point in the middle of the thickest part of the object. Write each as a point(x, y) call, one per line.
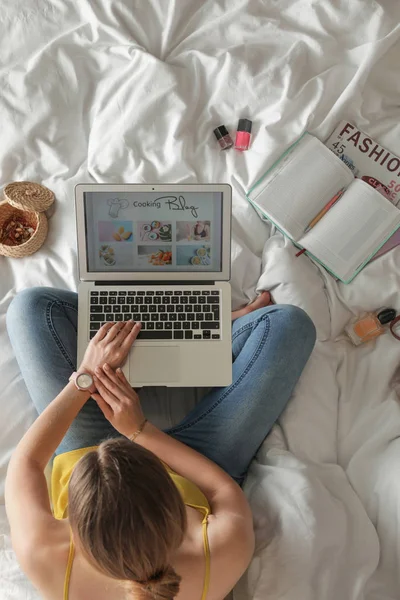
point(30, 200)
point(37, 220)
point(29, 195)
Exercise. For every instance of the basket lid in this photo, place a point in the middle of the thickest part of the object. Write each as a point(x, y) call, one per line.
point(30, 196)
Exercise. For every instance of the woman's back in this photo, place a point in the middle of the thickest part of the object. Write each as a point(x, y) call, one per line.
point(86, 583)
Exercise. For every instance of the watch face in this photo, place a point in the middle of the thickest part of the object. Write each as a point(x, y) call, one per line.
point(84, 381)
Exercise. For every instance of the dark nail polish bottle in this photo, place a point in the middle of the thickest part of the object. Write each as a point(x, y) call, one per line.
point(223, 137)
point(242, 141)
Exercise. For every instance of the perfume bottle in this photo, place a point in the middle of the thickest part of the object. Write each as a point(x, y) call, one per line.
point(369, 326)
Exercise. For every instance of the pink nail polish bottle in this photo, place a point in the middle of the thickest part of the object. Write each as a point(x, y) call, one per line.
point(224, 139)
point(242, 141)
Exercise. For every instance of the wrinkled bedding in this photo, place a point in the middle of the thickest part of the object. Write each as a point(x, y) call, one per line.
point(130, 92)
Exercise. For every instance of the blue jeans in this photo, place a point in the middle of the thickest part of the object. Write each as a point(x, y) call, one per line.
point(270, 348)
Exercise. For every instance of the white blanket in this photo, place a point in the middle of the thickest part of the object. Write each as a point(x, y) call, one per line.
point(129, 91)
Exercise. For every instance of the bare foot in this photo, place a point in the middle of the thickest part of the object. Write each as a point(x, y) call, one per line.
point(264, 299)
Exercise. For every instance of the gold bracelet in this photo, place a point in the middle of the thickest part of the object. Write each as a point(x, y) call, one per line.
point(138, 432)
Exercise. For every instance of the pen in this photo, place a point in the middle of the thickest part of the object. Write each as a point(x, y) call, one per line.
point(323, 212)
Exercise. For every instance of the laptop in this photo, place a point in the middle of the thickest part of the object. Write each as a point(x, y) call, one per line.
point(159, 254)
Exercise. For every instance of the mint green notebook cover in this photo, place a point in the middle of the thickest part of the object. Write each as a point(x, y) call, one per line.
point(266, 217)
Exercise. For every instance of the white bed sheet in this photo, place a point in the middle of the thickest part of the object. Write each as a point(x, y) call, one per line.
point(130, 92)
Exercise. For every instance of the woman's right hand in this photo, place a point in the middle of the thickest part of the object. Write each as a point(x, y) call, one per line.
point(118, 401)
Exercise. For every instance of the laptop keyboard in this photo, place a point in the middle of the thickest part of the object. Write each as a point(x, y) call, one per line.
point(164, 314)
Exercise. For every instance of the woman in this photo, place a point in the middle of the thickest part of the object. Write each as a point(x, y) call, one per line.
point(202, 230)
point(164, 516)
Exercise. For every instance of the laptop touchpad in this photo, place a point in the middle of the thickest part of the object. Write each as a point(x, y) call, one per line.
point(154, 364)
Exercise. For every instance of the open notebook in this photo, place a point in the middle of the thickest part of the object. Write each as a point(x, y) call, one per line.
point(301, 183)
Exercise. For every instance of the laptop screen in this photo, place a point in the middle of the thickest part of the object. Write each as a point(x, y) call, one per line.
point(153, 231)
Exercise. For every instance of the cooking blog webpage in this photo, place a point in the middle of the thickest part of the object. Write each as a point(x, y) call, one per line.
point(149, 231)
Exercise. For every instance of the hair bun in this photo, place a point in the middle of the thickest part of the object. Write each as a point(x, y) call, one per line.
point(158, 577)
point(163, 585)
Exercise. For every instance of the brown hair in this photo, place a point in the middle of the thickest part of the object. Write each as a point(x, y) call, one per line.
point(128, 516)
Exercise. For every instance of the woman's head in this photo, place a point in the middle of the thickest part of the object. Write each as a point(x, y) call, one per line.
point(199, 227)
point(128, 517)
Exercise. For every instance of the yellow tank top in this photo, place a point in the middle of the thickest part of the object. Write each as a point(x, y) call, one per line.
point(62, 469)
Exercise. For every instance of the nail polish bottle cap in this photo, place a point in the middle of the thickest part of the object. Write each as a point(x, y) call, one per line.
point(221, 132)
point(244, 125)
point(386, 315)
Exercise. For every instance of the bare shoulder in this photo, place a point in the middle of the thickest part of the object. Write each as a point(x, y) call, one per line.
point(44, 557)
point(231, 539)
point(231, 534)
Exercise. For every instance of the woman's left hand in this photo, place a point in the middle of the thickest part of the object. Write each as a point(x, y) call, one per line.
point(118, 400)
point(110, 345)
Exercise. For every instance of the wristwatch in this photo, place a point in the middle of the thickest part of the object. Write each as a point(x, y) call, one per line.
point(83, 381)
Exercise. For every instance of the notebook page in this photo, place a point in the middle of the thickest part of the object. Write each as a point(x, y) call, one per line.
point(352, 229)
point(300, 185)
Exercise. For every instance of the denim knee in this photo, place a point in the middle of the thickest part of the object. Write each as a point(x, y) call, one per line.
point(25, 305)
point(298, 325)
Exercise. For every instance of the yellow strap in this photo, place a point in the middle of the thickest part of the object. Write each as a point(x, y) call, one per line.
point(207, 557)
point(69, 569)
